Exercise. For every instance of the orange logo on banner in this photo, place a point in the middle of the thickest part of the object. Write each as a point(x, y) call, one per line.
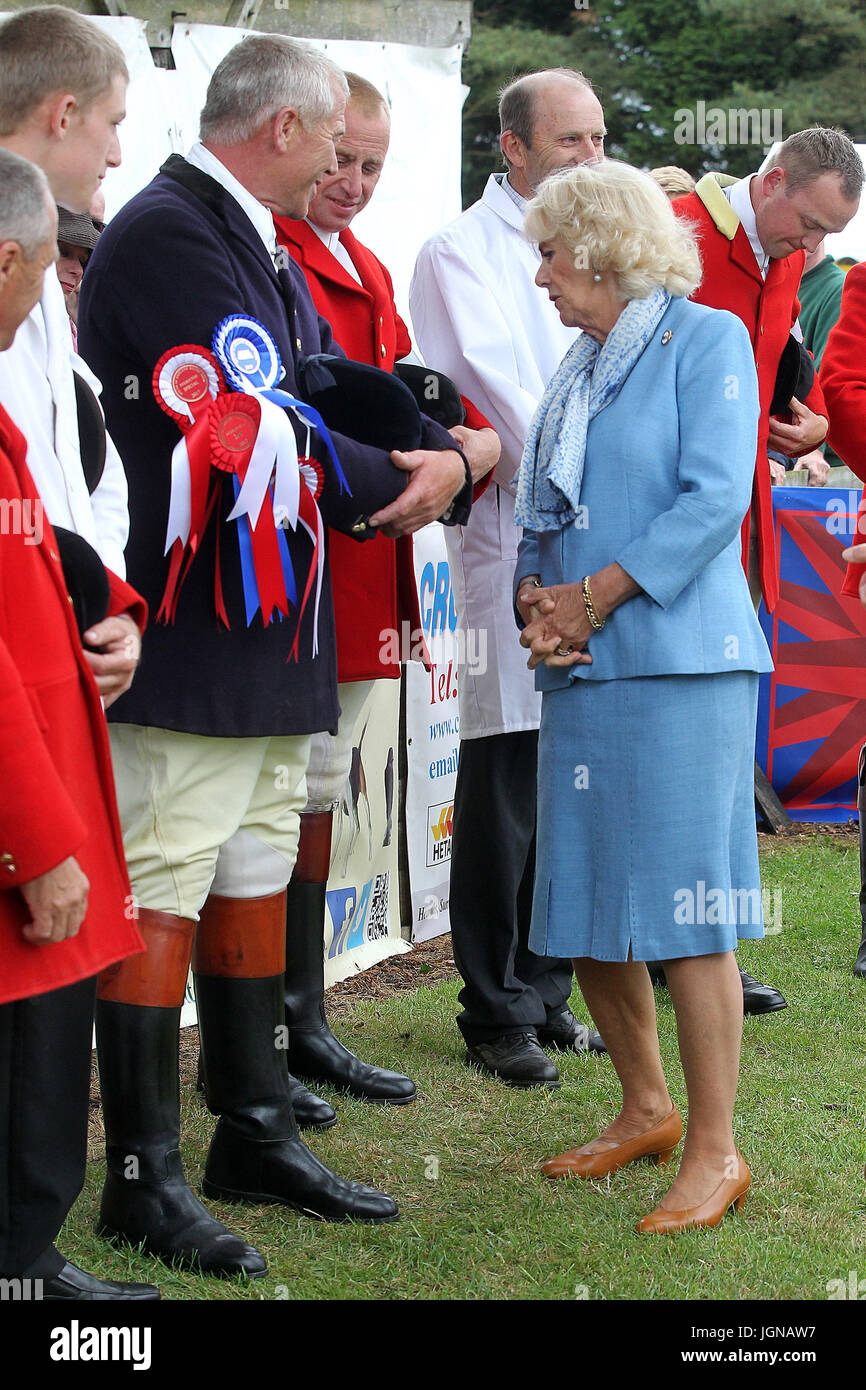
point(442, 828)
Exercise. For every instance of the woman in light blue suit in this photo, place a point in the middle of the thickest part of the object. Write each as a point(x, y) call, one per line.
point(634, 483)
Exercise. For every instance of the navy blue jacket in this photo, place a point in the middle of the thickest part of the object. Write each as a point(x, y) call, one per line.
point(177, 259)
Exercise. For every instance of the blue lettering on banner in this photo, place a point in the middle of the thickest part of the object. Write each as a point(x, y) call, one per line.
point(435, 585)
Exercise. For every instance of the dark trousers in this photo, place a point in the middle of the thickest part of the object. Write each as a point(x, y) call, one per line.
point(45, 1050)
point(508, 989)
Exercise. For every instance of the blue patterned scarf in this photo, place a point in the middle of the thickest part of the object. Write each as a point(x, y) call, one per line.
point(587, 379)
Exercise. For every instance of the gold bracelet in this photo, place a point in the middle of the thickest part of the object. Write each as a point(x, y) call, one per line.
point(590, 611)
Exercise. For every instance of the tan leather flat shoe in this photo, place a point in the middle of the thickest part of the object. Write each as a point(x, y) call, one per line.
point(730, 1192)
point(606, 1156)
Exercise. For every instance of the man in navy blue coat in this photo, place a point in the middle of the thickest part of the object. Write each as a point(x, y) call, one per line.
point(213, 738)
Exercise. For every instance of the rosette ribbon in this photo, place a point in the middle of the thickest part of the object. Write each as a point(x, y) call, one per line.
point(186, 383)
point(251, 362)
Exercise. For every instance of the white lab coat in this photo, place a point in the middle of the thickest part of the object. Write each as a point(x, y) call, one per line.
point(479, 316)
point(37, 390)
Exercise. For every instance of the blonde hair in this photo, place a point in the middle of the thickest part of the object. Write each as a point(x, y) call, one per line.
point(613, 217)
point(52, 50)
point(673, 180)
point(365, 97)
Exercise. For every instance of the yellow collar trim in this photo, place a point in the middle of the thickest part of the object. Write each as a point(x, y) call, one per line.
point(709, 190)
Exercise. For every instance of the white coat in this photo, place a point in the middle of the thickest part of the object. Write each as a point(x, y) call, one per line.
point(37, 390)
point(479, 317)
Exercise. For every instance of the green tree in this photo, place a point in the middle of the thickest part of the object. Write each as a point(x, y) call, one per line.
point(653, 63)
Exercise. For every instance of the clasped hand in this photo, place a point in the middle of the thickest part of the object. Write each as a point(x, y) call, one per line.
point(556, 619)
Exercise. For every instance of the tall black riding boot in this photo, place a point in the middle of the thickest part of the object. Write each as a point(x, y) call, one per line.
point(146, 1198)
point(314, 1053)
point(860, 962)
point(311, 1112)
point(256, 1154)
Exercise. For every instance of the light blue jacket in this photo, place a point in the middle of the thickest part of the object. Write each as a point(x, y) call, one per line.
point(667, 482)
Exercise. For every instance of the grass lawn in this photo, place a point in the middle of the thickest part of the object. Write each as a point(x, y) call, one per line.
point(479, 1221)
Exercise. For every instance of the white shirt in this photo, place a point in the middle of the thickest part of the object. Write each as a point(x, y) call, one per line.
point(260, 216)
point(740, 199)
point(331, 240)
point(38, 391)
point(480, 317)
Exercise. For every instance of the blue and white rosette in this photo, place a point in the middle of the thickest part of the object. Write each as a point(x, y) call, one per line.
point(250, 359)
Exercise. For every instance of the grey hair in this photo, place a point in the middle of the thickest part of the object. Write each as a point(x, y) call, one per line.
point(808, 154)
point(26, 207)
point(517, 100)
point(48, 50)
point(260, 75)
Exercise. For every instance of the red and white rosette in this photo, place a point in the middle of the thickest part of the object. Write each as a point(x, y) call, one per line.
point(185, 381)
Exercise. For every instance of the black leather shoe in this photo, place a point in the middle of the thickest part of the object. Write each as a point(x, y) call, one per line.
point(760, 999)
point(567, 1034)
point(514, 1058)
point(74, 1283)
point(255, 1157)
point(860, 962)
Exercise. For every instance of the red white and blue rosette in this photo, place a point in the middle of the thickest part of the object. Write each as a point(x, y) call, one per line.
point(250, 358)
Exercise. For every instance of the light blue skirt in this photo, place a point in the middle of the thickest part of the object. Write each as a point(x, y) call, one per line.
point(646, 818)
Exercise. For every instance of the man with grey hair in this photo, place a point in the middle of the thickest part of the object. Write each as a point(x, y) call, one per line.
point(479, 316)
point(62, 97)
point(28, 237)
point(62, 908)
point(212, 742)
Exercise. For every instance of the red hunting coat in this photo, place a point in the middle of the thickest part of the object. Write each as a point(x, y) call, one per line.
point(373, 584)
point(768, 308)
point(55, 764)
point(843, 381)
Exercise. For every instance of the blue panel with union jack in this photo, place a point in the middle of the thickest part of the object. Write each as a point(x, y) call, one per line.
point(812, 709)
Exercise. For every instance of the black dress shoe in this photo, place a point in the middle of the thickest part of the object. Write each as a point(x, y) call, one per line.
point(760, 999)
point(514, 1058)
point(74, 1283)
point(567, 1034)
point(860, 962)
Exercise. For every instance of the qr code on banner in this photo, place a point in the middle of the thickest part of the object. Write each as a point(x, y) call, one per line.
point(377, 920)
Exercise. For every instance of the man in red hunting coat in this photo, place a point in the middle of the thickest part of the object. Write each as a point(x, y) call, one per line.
point(754, 235)
point(65, 901)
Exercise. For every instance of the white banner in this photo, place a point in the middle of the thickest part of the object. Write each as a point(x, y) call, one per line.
point(362, 920)
point(433, 739)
